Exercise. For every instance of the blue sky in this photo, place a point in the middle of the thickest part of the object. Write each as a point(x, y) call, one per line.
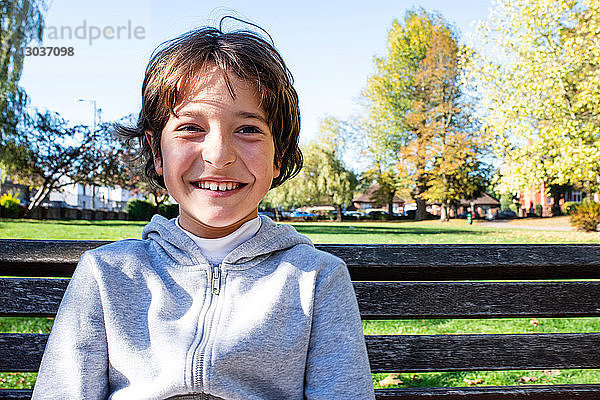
point(328, 45)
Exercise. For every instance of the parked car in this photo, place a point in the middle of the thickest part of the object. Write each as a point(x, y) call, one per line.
point(303, 216)
point(57, 204)
point(269, 214)
point(355, 215)
point(506, 214)
point(377, 214)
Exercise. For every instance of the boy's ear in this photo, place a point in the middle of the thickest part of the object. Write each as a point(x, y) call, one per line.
point(276, 168)
point(157, 161)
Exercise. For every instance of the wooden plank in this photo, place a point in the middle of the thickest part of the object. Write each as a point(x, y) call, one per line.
point(529, 392)
point(365, 262)
point(15, 394)
point(428, 353)
point(470, 272)
point(21, 352)
point(407, 353)
point(31, 297)
point(58, 258)
point(405, 300)
point(39, 297)
point(466, 254)
point(523, 392)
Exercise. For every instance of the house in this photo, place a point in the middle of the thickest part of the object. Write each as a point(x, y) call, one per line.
point(364, 201)
point(536, 195)
point(21, 192)
point(482, 205)
point(485, 204)
point(92, 197)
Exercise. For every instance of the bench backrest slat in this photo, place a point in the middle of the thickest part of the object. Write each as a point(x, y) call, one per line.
point(382, 300)
point(21, 352)
point(521, 392)
point(396, 353)
point(412, 300)
point(31, 297)
point(57, 258)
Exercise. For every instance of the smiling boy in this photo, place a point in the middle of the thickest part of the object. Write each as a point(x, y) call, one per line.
point(218, 303)
point(217, 155)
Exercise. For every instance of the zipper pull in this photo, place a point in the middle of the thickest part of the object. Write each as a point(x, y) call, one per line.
point(216, 279)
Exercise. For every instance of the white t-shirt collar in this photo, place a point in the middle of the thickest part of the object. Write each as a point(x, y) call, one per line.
point(215, 250)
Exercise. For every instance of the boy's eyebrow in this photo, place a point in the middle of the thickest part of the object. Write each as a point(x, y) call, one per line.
point(239, 114)
point(247, 114)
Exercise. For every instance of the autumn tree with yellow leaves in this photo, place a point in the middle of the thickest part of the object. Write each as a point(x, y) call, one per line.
point(420, 115)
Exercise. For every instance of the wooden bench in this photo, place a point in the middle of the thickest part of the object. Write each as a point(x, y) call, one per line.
point(391, 282)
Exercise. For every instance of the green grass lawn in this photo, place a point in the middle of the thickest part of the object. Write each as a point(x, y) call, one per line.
point(456, 231)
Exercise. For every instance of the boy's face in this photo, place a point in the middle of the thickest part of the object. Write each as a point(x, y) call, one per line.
point(217, 155)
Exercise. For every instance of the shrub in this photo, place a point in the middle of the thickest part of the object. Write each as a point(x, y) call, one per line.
point(586, 216)
point(506, 200)
point(169, 211)
point(538, 210)
point(569, 207)
point(9, 206)
point(139, 210)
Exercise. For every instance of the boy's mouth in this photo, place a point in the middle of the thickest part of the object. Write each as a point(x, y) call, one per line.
point(217, 186)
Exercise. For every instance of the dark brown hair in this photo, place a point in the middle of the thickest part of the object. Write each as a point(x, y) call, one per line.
point(176, 64)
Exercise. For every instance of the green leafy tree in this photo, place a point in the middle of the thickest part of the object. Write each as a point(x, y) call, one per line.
point(323, 178)
point(49, 154)
point(538, 72)
point(21, 22)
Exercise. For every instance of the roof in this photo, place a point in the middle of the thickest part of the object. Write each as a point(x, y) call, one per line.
point(484, 200)
point(366, 196)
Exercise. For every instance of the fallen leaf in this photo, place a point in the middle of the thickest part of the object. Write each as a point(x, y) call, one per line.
point(534, 322)
point(551, 372)
point(472, 382)
point(527, 379)
point(391, 379)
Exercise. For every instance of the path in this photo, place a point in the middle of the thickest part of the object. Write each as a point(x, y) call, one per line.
point(507, 224)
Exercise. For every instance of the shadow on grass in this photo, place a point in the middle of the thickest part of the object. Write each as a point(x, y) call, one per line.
point(77, 222)
point(379, 230)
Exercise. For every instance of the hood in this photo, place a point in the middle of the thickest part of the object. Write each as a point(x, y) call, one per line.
point(183, 250)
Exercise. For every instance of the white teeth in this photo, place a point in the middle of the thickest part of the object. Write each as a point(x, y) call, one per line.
point(220, 186)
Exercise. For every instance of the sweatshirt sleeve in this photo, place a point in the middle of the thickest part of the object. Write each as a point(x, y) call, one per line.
point(75, 362)
point(337, 364)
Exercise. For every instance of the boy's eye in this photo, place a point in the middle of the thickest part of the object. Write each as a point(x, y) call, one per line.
point(249, 130)
point(190, 128)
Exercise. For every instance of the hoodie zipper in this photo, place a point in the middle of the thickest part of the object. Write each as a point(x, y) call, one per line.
point(215, 279)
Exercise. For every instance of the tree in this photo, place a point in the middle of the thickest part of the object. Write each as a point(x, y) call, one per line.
point(21, 21)
point(48, 154)
point(421, 118)
point(327, 179)
point(323, 178)
point(538, 72)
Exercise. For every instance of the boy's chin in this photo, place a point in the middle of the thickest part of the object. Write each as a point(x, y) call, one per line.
point(216, 226)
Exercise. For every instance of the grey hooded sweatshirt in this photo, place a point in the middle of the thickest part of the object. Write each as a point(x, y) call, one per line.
point(152, 319)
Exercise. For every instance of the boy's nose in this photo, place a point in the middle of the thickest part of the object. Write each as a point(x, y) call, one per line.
point(218, 150)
